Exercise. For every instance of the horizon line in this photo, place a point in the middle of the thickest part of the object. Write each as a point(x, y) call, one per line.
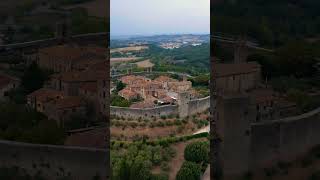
point(157, 34)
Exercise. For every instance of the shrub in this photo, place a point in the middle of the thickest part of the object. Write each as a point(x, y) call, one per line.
point(197, 152)
point(189, 171)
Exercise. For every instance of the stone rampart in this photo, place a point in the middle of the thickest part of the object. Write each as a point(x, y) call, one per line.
point(284, 139)
point(55, 161)
point(193, 107)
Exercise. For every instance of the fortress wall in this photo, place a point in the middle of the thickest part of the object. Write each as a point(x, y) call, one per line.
point(199, 105)
point(54, 161)
point(144, 113)
point(193, 107)
point(284, 139)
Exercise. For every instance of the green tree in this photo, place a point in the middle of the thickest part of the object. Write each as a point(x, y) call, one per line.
point(33, 78)
point(296, 58)
point(189, 171)
point(197, 152)
point(119, 101)
point(120, 85)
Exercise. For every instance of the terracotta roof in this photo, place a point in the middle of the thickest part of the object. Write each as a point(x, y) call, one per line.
point(69, 102)
point(220, 69)
point(132, 79)
point(128, 92)
point(45, 94)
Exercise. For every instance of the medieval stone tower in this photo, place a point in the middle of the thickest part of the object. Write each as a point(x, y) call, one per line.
point(183, 102)
point(233, 116)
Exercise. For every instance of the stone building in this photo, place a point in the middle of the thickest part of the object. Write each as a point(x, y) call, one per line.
point(55, 105)
point(64, 109)
point(128, 94)
point(174, 85)
point(38, 99)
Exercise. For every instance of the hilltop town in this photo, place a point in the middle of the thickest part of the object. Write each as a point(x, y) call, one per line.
point(155, 99)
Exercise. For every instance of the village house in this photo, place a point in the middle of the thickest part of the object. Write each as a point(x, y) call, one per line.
point(38, 99)
point(154, 92)
point(128, 94)
point(64, 109)
point(89, 85)
point(7, 84)
point(174, 85)
point(133, 80)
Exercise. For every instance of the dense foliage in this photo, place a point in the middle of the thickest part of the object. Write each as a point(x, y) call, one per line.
point(119, 101)
point(135, 162)
point(271, 22)
point(295, 58)
point(189, 171)
point(188, 59)
point(33, 78)
point(197, 152)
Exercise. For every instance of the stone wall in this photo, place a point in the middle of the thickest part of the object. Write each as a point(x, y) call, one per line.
point(284, 139)
point(193, 107)
point(148, 113)
point(199, 105)
point(55, 161)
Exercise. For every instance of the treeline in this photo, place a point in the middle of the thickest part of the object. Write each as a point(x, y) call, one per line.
point(292, 70)
point(271, 22)
point(190, 59)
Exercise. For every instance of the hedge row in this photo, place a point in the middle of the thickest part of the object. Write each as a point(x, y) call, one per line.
point(163, 141)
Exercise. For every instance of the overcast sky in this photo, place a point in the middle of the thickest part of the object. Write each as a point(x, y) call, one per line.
point(149, 17)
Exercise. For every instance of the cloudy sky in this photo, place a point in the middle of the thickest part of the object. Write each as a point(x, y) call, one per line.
point(149, 17)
